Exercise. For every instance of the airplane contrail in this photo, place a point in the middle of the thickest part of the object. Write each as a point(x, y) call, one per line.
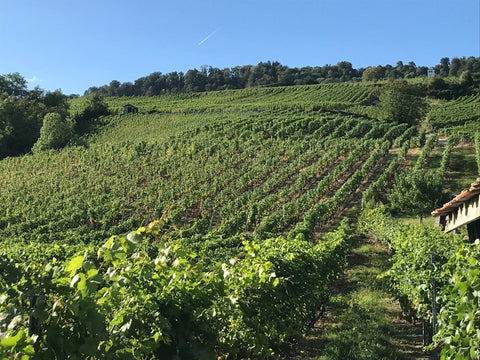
point(208, 36)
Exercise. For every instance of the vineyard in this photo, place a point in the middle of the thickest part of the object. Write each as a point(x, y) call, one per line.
point(462, 112)
point(184, 230)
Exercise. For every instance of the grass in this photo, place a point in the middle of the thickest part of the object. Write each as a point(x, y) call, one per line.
point(362, 319)
point(361, 329)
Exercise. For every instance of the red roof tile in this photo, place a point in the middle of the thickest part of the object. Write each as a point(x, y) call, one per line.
point(465, 195)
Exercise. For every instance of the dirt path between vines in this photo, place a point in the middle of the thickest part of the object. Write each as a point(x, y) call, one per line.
point(362, 320)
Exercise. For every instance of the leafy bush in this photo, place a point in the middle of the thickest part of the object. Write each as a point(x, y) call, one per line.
point(135, 299)
point(55, 133)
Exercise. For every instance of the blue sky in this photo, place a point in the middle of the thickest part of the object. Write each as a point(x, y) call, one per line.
point(73, 44)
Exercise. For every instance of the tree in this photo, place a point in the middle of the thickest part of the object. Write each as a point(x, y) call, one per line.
point(345, 68)
point(274, 74)
point(444, 66)
point(195, 81)
point(421, 71)
point(57, 102)
point(113, 87)
point(412, 68)
point(466, 78)
point(400, 67)
point(96, 107)
point(55, 133)
point(416, 192)
point(126, 89)
point(22, 113)
point(20, 123)
point(454, 67)
point(401, 102)
point(13, 84)
point(372, 73)
point(438, 88)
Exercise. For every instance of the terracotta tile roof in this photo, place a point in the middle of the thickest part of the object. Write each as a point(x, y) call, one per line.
point(465, 195)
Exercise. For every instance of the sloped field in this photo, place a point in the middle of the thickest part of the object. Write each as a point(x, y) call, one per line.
point(233, 193)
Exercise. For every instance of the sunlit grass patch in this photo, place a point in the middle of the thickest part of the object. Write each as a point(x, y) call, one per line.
point(361, 330)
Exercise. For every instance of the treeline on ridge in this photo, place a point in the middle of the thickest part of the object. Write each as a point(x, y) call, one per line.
point(275, 74)
point(35, 120)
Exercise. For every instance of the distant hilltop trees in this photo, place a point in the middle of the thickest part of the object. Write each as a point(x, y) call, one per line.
point(275, 74)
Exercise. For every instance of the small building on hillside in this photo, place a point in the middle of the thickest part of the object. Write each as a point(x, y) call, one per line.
point(130, 109)
point(464, 209)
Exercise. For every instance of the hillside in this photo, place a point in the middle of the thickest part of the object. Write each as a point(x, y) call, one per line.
point(217, 169)
point(238, 151)
point(228, 161)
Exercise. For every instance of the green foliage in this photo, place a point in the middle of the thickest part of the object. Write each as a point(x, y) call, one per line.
point(95, 108)
point(20, 123)
point(137, 300)
point(225, 172)
point(401, 102)
point(438, 88)
point(459, 114)
point(373, 73)
point(412, 269)
point(21, 114)
point(462, 170)
point(13, 84)
point(429, 145)
point(273, 74)
point(57, 102)
point(416, 192)
point(477, 150)
point(459, 330)
point(451, 143)
point(451, 88)
point(466, 78)
point(362, 326)
point(55, 133)
point(297, 98)
point(321, 211)
point(377, 187)
point(456, 270)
